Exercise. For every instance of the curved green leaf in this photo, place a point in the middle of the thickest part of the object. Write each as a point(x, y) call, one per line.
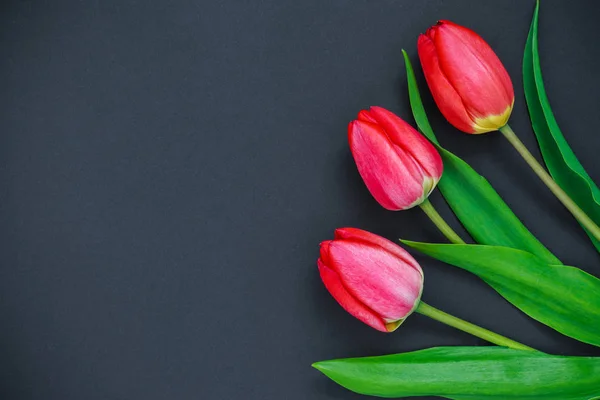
point(562, 163)
point(480, 209)
point(469, 373)
point(416, 104)
point(565, 298)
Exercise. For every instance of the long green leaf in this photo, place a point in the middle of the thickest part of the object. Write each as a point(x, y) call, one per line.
point(480, 209)
point(562, 163)
point(469, 373)
point(565, 298)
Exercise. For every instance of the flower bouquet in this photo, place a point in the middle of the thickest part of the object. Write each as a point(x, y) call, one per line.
point(380, 283)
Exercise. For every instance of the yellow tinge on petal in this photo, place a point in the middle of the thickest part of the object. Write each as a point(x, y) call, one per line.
point(392, 326)
point(492, 122)
point(428, 186)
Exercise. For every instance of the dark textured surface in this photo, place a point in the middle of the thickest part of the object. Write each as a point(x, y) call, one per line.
point(167, 169)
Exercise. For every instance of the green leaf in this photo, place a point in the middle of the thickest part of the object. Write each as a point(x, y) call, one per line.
point(415, 102)
point(480, 209)
point(562, 164)
point(469, 373)
point(565, 298)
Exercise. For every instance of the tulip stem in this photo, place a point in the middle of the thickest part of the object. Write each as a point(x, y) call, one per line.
point(468, 327)
point(564, 198)
point(441, 224)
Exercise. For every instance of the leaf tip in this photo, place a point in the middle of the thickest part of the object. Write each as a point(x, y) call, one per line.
point(406, 60)
point(319, 366)
point(408, 242)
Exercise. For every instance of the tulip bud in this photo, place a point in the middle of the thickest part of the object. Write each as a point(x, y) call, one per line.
point(373, 279)
point(469, 83)
point(399, 166)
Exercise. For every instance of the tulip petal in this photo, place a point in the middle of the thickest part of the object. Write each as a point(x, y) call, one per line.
point(411, 141)
point(324, 251)
point(334, 285)
point(377, 278)
point(360, 235)
point(364, 115)
point(391, 175)
point(474, 70)
point(487, 54)
point(445, 96)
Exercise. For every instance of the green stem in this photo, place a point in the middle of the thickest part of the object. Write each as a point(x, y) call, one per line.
point(468, 327)
point(441, 224)
point(564, 198)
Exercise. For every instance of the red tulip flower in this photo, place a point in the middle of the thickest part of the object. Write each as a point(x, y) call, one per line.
point(373, 279)
point(399, 166)
point(469, 83)
point(474, 92)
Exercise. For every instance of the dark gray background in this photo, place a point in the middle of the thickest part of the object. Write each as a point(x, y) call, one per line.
point(168, 168)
